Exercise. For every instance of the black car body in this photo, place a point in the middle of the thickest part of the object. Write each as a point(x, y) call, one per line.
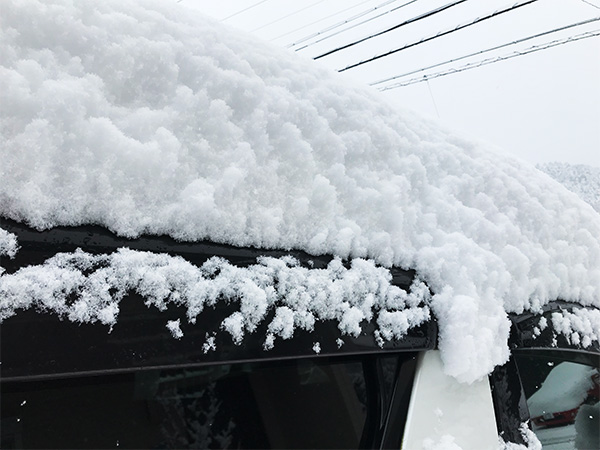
point(81, 385)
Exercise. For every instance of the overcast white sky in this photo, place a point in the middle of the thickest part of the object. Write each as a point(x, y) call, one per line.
point(543, 106)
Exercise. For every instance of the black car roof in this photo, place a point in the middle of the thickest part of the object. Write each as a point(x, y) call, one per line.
point(38, 345)
point(35, 345)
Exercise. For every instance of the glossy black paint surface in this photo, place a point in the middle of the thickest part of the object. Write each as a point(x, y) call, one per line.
point(507, 382)
point(35, 344)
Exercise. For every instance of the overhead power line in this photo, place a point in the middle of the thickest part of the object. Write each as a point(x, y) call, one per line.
point(286, 16)
point(339, 24)
point(480, 52)
point(320, 20)
point(243, 10)
point(395, 27)
point(440, 34)
point(485, 62)
point(591, 4)
point(355, 25)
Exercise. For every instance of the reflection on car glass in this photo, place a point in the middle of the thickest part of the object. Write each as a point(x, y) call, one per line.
point(293, 404)
point(563, 398)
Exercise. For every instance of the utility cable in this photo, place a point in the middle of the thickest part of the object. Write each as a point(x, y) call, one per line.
point(440, 34)
point(355, 25)
point(320, 20)
point(339, 24)
point(485, 62)
point(286, 16)
point(243, 10)
point(591, 4)
point(395, 27)
point(480, 52)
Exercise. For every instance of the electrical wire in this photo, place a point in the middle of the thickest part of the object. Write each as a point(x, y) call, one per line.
point(355, 25)
point(320, 20)
point(395, 27)
point(243, 10)
point(535, 48)
point(339, 24)
point(286, 16)
point(591, 4)
point(440, 34)
point(480, 52)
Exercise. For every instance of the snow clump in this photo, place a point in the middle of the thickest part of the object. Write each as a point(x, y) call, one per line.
point(174, 326)
point(8, 244)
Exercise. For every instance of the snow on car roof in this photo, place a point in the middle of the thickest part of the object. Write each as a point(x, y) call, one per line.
point(148, 118)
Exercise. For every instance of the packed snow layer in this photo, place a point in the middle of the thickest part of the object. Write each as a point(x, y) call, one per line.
point(581, 179)
point(146, 117)
point(299, 296)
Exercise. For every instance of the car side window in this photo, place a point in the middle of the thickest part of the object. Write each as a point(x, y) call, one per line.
point(563, 399)
point(301, 403)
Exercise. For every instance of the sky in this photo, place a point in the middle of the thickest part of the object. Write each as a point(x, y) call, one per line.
point(542, 106)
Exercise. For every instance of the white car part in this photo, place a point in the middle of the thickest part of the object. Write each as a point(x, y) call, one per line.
point(444, 413)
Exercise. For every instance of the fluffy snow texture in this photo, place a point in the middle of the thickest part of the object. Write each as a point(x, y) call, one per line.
point(580, 326)
point(581, 179)
point(531, 441)
point(146, 117)
point(174, 326)
point(299, 296)
point(8, 244)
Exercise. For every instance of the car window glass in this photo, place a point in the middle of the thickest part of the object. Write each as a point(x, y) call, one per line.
point(563, 401)
point(304, 403)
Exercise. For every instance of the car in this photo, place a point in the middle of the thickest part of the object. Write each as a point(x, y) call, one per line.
point(566, 388)
point(142, 384)
point(208, 241)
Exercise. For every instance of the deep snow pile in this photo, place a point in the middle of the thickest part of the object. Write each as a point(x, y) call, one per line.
point(581, 179)
point(148, 118)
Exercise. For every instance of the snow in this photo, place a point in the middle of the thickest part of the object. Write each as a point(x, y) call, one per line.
point(531, 441)
point(146, 117)
point(581, 179)
point(8, 244)
point(210, 344)
point(299, 296)
point(174, 326)
point(580, 326)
